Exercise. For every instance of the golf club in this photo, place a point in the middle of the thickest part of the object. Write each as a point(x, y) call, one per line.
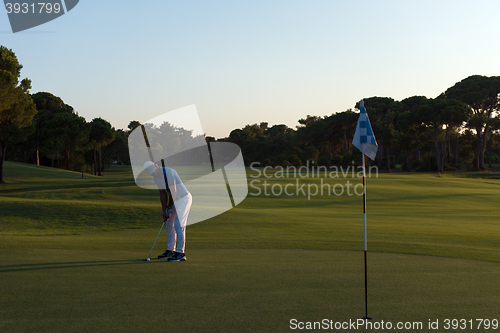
point(147, 259)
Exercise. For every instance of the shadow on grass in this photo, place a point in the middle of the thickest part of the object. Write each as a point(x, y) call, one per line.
point(76, 264)
point(43, 187)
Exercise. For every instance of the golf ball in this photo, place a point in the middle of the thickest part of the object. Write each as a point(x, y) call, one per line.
point(147, 259)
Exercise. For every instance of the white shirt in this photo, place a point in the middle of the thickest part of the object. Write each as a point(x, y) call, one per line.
point(177, 188)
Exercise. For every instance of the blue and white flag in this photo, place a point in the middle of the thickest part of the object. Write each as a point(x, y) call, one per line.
point(364, 139)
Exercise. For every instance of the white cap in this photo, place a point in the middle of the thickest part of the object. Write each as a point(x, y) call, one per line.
point(149, 167)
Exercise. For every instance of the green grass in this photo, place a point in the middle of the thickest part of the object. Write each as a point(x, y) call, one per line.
point(71, 253)
point(44, 201)
point(234, 290)
point(478, 174)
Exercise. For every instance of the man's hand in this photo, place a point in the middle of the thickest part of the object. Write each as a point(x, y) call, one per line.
point(165, 216)
point(167, 212)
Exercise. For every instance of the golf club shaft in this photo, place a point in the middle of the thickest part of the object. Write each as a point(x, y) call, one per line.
point(156, 239)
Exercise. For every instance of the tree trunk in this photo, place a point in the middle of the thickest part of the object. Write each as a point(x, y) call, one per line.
point(95, 162)
point(345, 141)
point(408, 160)
point(38, 148)
point(429, 160)
point(445, 147)
point(99, 171)
point(379, 152)
point(488, 156)
point(483, 147)
point(448, 148)
point(455, 152)
point(103, 165)
point(67, 158)
point(436, 148)
point(388, 159)
point(477, 164)
point(3, 149)
point(443, 156)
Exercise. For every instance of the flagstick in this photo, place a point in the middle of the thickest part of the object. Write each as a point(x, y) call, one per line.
point(364, 220)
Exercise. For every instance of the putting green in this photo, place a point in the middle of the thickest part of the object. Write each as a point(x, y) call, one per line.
point(72, 249)
point(235, 290)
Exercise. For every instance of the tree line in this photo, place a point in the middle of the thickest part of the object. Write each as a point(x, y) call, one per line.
point(59, 137)
point(460, 126)
point(43, 130)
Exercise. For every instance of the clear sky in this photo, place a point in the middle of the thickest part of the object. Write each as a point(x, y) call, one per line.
point(244, 62)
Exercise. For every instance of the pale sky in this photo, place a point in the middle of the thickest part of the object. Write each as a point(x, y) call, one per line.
point(244, 62)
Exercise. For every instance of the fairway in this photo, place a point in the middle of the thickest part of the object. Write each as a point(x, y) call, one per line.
point(72, 250)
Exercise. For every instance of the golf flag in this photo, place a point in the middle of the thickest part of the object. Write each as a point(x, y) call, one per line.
point(364, 139)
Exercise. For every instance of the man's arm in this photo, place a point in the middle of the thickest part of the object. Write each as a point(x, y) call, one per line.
point(164, 203)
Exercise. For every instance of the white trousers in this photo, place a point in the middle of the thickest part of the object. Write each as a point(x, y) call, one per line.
point(176, 224)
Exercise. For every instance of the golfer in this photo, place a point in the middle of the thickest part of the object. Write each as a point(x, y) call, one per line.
point(175, 205)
